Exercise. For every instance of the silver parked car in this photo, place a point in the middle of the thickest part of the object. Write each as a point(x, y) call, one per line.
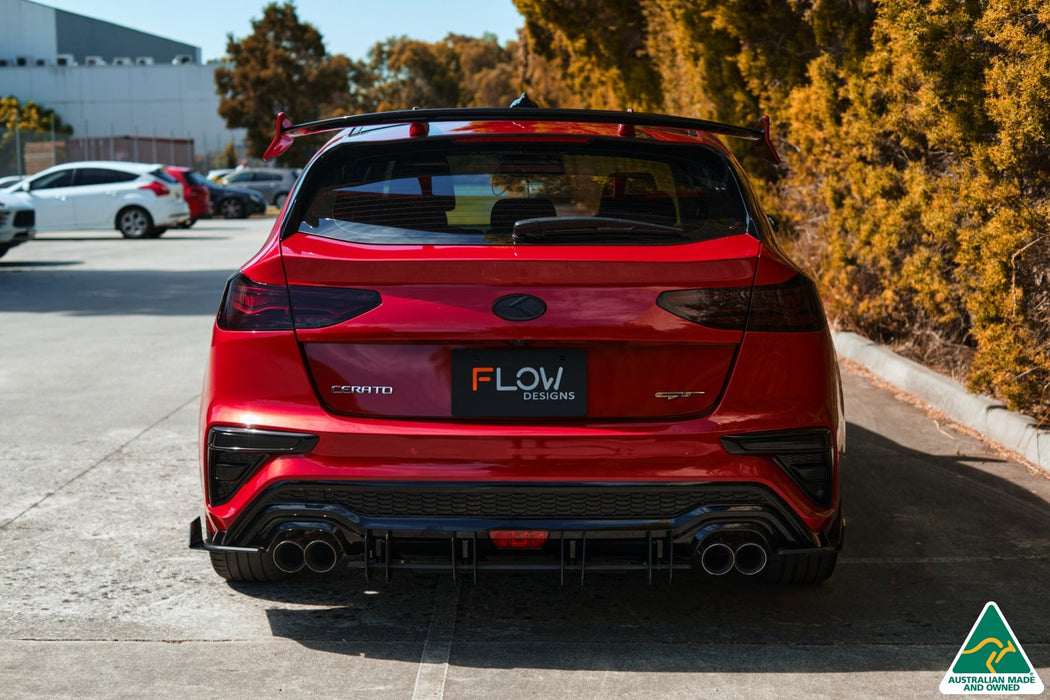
point(140, 200)
point(17, 222)
point(273, 184)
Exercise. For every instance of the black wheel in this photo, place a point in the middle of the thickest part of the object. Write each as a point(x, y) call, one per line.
point(134, 222)
point(801, 569)
point(231, 209)
point(255, 567)
point(278, 201)
point(4, 247)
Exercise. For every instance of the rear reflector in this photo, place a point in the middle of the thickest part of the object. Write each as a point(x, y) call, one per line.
point(519, 539)
point(791, 306)
point(253, 306)
point(807, 456)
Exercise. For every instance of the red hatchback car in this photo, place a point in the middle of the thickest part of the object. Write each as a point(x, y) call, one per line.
point(196, 194)
point(521, 339)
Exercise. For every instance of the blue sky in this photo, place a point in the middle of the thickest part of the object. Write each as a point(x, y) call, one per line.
point(349, 27)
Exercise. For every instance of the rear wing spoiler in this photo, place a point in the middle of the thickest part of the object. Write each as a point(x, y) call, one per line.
point(420, 119)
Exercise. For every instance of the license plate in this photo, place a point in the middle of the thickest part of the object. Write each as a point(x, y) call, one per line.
point(510, 383)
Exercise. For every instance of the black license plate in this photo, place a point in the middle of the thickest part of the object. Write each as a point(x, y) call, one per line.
point(510, 383)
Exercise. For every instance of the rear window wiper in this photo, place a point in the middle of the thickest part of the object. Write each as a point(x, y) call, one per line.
point(593, 229)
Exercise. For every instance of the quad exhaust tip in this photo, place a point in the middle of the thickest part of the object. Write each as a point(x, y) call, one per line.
point(318, 554)
point(289, 557)
point(719, 558)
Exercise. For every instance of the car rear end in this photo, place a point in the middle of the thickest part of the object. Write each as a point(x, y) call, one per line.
point(544, 344)
point(194, 191)
point(17, 223)
point(160, 193)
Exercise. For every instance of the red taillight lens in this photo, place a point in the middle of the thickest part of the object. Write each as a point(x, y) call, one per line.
point(791, 306)
point(158, 188)
point(519, 539)
point(252, 306)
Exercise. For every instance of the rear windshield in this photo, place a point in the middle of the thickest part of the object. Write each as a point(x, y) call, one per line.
point(470, 193)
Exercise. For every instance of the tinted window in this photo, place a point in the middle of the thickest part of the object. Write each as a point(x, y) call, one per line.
point(164, 176)
point(198, 179)
point(62, 178)
point(239, 177)
point(102, 176)
point(267, 176)
point(478, 193)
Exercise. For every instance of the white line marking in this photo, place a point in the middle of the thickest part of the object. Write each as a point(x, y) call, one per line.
point(433, 665)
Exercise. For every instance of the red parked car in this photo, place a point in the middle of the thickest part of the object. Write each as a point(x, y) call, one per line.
point(551, 340)
point(196, 194)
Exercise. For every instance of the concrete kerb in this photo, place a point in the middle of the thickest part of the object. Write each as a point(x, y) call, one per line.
point(1014, 431)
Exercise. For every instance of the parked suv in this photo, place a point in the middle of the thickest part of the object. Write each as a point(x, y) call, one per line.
point(17, 222)
point(138, 199)
point(273, 184)
point(562, 341)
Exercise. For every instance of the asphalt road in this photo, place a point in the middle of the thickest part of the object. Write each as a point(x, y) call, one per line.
point(102, 348)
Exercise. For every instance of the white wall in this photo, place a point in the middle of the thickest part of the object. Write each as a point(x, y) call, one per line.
point(27, 29)
point(160, 100)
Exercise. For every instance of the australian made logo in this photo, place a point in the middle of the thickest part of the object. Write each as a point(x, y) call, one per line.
point(991, 661)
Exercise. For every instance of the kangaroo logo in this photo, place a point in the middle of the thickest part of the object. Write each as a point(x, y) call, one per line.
point(991, 661)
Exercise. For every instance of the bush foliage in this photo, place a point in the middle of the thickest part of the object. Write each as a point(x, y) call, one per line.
point(916, 182)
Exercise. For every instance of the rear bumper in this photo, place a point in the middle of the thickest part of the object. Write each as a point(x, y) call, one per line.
point(381, 527)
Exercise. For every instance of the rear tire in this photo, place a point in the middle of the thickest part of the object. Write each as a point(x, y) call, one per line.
point(254, 567)
point(135, 222)
point(4, 247)
point(801, 569)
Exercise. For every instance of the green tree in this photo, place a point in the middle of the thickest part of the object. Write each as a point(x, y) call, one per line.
point(458, 71)
point(32, 122)
point(281, 66)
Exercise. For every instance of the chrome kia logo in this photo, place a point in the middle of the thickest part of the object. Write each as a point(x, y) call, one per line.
point(519, 307)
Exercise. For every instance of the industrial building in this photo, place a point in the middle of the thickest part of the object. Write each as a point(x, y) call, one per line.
point(107, 81)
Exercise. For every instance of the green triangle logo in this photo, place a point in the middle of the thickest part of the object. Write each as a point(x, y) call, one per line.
point(991, 661)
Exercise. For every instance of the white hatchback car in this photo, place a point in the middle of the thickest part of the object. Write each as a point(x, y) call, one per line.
point(138, 199)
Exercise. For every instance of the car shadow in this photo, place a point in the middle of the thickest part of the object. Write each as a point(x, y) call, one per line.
point(110, 292)
point(13, 264)
point(929, 540)
point(169, 235)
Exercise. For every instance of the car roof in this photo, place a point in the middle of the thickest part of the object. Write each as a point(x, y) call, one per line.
point(111, 164)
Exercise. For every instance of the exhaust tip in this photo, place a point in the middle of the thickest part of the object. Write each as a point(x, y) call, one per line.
point(320, 555)
point(717, 559)
point(288, 556)
point(750, 558)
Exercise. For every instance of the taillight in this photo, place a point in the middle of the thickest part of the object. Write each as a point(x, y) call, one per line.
point(253, 306)
point(317, 307)
point(158, 188)
point(790, 306)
